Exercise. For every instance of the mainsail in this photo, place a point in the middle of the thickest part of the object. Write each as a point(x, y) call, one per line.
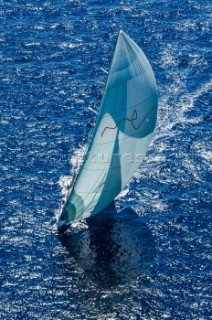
point(122, 134)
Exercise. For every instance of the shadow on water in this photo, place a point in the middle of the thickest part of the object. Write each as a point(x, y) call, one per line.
point(112, 248)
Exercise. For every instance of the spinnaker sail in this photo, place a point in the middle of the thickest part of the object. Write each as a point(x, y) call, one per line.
point(122, 134)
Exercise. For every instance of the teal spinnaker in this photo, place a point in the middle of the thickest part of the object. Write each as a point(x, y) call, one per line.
point(122, 134)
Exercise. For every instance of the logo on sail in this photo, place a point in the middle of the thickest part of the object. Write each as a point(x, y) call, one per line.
point(131, 120)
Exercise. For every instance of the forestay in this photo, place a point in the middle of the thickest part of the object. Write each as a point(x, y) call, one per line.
point(121, 136)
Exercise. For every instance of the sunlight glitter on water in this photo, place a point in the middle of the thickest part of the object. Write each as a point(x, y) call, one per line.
point(152, 260)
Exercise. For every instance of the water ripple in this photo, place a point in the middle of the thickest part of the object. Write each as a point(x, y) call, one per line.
point(152, 260)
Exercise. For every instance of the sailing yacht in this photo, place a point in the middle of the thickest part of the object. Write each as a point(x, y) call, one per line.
point(122, 134)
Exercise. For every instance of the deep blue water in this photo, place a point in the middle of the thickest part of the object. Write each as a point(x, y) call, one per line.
point(152, 260)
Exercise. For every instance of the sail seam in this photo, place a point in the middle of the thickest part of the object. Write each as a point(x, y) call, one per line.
point(134, 106)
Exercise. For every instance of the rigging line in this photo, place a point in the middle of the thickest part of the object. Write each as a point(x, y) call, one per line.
point(84, 155)
point(91, 135)
point(91, 109)
point(105, 71)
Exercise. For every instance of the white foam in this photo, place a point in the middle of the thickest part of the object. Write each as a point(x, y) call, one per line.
point(64, 182)
point(123, 193)
point(32, 44)
point(39, 27)
point(69, 45)
point(188, 102)
point(207, 155)
point(79, 224)
point(78, 156)
point(54, 26)
point(175, 98)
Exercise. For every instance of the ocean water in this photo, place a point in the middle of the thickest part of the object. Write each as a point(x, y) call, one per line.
point(149, 255)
